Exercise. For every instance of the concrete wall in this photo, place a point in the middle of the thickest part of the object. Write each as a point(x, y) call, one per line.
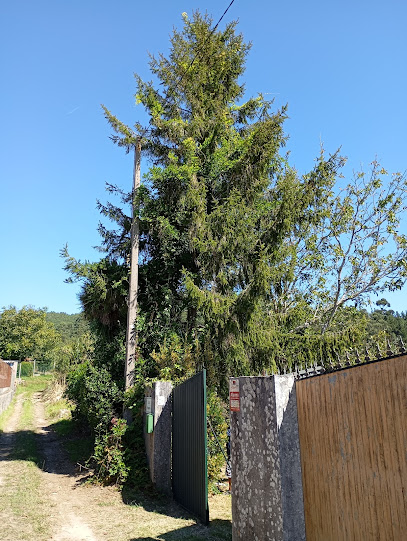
point(158, 443)
point(14, 366)
point(267, 498)
point(9, 370)
point(6, 396)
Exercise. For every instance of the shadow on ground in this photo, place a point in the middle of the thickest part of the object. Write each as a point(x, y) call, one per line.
point(43, 449)
point(154, 502)
point(218, 530)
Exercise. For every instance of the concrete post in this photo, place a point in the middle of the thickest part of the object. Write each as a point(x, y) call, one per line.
point(158, 443)
point(267, 497)
point(13, 365)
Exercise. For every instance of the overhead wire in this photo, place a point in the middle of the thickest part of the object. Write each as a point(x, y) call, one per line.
point(204, 43)
point(197, 54)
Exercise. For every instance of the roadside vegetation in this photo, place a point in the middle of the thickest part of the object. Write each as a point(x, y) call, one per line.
point(25, 508)
point(28, 512)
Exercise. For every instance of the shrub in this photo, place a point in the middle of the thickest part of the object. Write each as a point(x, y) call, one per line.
point(109, 454)
point(217, 436)
point(27, 369)
point(135, 456)
point(97, 397)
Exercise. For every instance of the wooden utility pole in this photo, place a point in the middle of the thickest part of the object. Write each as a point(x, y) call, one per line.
point(131, 335)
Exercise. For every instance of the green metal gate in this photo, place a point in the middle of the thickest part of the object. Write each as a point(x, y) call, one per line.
point(189, 454)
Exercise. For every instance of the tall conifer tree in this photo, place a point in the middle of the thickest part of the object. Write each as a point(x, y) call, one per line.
point(219, 199)
point(241, 265)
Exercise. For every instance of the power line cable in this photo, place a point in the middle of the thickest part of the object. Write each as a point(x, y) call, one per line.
point(205, 42)
point(176, 84)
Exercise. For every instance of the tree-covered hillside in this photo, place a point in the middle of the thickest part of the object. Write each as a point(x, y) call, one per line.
point(69, 326)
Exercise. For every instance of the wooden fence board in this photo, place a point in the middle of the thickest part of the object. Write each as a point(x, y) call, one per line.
point(353, 438)
point(5, 375)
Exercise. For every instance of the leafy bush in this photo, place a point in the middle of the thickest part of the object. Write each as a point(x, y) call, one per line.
point(109, 454)
point(136, 457)
point(217, 437)
point(119, 453)
point(26, 369)
point(97, 397)
point(175, 359)
point(98, 402)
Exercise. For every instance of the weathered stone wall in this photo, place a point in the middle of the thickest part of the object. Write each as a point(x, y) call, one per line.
point(267, 500)
point(158, 443)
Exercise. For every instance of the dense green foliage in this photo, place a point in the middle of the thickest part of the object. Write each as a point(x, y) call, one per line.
point(217, 436)
point(96, 395)
point(385, 320)
point(26, 333)
point(26, 369)
point(104, 308)
point(246, 266)
point(69, 326)
point(109, 454)
point(250, 265)
point(54, 340)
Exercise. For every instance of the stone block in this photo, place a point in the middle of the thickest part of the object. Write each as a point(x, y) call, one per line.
point(267, 499)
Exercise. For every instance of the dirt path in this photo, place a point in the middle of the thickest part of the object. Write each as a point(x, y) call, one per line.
point(69, 500)
point(7, 438)
point(60, 507)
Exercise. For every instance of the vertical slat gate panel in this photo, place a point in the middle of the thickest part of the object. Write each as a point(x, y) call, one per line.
point(353, 439)
point(189, 453)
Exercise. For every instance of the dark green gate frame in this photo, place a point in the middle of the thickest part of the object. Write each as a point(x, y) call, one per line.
point(189, 446)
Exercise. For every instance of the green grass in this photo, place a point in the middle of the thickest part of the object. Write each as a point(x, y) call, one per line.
point(26, 443)
point(77, 443)
point(59, 409)
point(4, 417)
point(25, 511)
point(29, 387)
point(79, 449)
point(35, 384)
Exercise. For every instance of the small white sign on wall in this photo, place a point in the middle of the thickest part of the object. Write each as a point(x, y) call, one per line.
point(149, 404)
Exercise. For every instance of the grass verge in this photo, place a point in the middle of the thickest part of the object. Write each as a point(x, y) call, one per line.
point(75, 439)
point(24, 510)
point(5, 417)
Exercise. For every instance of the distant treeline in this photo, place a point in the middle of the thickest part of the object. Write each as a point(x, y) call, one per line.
point(69, 326)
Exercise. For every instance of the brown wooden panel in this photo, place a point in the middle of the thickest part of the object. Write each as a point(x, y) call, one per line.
point(353, 438)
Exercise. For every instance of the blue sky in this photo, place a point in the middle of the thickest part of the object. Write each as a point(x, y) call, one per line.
point(340, 66)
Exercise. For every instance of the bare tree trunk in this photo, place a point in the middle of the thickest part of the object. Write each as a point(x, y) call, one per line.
point(131, 336)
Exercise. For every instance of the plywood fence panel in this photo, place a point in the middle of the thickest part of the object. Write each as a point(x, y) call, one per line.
point(353, 439)
point(5, 375)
